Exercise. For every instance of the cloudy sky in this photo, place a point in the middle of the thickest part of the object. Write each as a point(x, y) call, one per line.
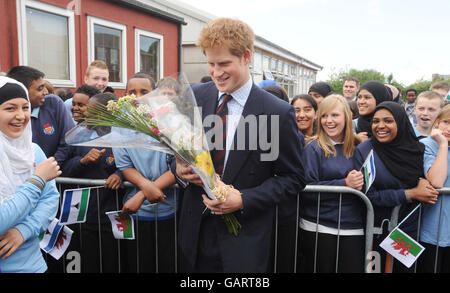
point(408, 38)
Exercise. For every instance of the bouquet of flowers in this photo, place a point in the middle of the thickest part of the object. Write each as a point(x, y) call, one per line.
point(170, 121)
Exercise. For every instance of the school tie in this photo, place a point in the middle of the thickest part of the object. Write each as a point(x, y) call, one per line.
point(218, 155)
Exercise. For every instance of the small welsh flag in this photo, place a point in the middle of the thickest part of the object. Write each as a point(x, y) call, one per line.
point(447, 98)
point(369, 170)
point(74, 206)
point(48, 239)
point(402, 247)
point(122, 225)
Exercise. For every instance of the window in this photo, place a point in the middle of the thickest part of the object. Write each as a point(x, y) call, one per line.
point(293, 70)
point(273, 64)
point(257, 62)
point(266, 61)
point(47, 41)
point(149, 53)
point(107, 42)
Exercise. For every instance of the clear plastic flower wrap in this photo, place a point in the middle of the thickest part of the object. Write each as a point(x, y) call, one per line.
point(167, 119)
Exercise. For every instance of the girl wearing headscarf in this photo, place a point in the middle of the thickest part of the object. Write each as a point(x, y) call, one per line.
point(398, 158)
point(320, 90)
point(370, 95)
point(328, 160)
point(28, 195)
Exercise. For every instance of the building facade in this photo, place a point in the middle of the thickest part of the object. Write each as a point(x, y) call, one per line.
point(270, 61)
point(62, 37)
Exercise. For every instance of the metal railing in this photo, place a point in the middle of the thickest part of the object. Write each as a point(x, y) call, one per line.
point(315, 189)
point(394, 218)
point(369, 230)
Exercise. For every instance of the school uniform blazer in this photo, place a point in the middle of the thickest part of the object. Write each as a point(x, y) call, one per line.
point(263, 184)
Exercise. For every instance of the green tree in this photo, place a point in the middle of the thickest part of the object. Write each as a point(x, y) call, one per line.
point(424, 85)
point(337, 78)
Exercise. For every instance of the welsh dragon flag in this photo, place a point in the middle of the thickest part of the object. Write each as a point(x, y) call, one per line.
point(402, 247)
point(122, 225)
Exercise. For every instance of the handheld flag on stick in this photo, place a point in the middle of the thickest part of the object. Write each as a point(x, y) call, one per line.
point(401, 246)
point(62, 243)
point(448, 96)
point(74, 206)
point(56, 239)
point(122, 225)
point(369, 170)
point(49, 238)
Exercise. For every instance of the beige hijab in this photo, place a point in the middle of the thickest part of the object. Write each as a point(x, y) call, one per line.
point(16, 155)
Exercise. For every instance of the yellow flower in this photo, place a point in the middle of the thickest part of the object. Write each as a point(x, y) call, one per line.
point(203, 162)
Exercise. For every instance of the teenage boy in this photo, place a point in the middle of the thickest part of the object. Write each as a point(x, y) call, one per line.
point(95, 163)
point(411, 95)
point(442, 88)
point(97, 75)
point(50, 120)
point(259, 183)
point(140, 84)
point(428, 105)
point(149, 171)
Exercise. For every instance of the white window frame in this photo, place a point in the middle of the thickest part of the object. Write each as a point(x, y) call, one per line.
point(137, 62)
point(91, 46)
point(23, 42)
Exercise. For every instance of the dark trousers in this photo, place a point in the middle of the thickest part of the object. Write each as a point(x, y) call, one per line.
point(286, 244)
point(99, 249)
point(351, 253)
point(429, 262)
point(152, 250)
point(208, 254)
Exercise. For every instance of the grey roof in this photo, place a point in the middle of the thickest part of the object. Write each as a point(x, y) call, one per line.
point(151, 10)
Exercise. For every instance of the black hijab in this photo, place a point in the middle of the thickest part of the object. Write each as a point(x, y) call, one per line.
point(381, 93)
point(322, 88)
point(403, 156)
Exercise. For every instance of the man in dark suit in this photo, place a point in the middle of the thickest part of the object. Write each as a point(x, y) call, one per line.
point(263, 176)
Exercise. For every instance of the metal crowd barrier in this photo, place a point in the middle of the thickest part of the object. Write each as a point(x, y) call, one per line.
point(394, 219)
point(316, 189)
point(370, 230)
point(79, 183)
point(339, 191)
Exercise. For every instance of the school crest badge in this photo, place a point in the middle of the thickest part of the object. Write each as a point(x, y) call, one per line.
point(48, 129)
point(110, 159)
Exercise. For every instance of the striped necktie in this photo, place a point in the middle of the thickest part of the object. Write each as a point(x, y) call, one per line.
point(218, 154)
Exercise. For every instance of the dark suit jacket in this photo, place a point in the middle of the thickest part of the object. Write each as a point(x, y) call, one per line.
point(263, 185)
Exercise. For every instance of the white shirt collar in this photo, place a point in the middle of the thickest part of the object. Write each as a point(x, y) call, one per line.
point(335, 143)
point(240, 95)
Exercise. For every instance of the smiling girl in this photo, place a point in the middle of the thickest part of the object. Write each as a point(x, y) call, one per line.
point(305, 114)
point(371, 94)
point(328, 161)
point(28, 195)
point(398, 158)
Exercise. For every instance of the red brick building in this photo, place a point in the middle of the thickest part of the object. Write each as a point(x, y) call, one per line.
point(61, 38)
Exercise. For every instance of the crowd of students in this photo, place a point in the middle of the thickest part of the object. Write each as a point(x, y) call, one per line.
point(330, 138)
